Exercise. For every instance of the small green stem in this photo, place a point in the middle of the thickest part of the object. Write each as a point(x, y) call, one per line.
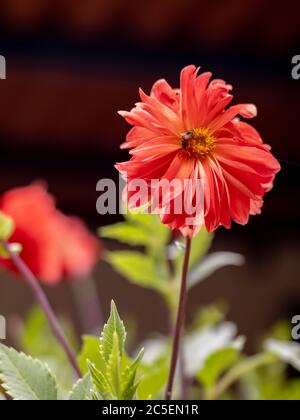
point(242, 368)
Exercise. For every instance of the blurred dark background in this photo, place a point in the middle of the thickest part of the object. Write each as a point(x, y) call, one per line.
point(71, 64)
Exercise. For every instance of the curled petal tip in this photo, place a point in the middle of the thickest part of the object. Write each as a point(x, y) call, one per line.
point(249, 111)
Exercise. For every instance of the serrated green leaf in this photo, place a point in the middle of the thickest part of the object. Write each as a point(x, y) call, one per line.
point(114, 324)
point(129, 385)
point(216, 364)
point(38, 341)
point(114, 374)
point(82, 390)
point(25, 378)
point(130, 391)
point(138, 268)
point(113, 370)
point(90, 351)
point(95, 396)
point(100, 382)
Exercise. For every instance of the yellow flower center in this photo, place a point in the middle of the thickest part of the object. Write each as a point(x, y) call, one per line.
point(198, 143)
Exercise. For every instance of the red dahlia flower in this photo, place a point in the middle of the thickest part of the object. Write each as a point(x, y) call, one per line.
point(189, 134)
point(54, 246)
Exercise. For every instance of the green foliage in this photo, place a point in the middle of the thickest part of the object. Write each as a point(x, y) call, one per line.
point(126, 233)
point(129, 384)
point(209, 315)
point(90, 351)
point(271, 383)
point(82, 390)
point(146, 269)
point(113, 334)
point(113, 373)
point(150, 268)
point(216, 364)
point(139, 268)
point(279, 389)
point(38, 341)
point(24, 378)
point(139, 229)
point(281, 330)
point(212, 356)
point(154, 379)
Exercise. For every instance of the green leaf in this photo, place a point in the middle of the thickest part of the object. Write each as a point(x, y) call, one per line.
point(102, 384)
point(25, 378)
point(280, 331)
point(113, 325)
point(209, 315)
point(38, 341)
point(216, 364)
point(126, 233)
point(129, 385)
point(82, 390)
point(158, 234)
point(291, 391)
point(138, 268)
point(154, 379)
point(90, 351)
point(113, 370)
point(139, 229)
point(271, 384)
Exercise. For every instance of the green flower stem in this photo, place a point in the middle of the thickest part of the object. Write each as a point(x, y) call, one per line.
point(179, 321)
point(33, 283)
point(241, 369)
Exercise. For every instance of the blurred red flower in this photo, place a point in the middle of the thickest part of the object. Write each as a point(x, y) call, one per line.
point(187, 134)
point(55, 246)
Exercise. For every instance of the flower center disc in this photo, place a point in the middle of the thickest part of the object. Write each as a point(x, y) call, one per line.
point(198, 143)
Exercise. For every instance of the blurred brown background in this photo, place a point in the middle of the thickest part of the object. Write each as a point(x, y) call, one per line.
point(71, 64)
